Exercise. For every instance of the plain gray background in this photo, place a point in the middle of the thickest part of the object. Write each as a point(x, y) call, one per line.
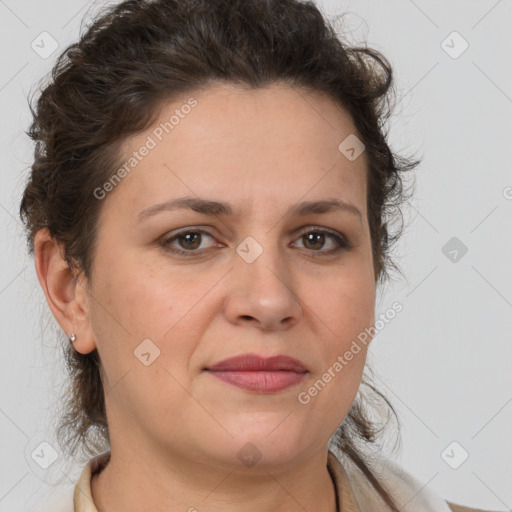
point(445, 360)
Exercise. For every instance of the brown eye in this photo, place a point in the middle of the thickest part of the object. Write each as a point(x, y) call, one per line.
point(188, 242)
point(315, 240)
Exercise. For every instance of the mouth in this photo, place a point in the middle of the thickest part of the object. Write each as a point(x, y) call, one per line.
point(259, 374)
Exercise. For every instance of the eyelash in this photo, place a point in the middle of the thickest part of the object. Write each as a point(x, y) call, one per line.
point(342, 242)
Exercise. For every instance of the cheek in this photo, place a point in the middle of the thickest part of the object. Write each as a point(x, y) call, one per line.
point(136, 302)
point(128, 311)
point(346, 305)
point(348, 309)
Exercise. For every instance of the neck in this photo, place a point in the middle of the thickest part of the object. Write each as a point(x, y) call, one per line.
point(141, 480)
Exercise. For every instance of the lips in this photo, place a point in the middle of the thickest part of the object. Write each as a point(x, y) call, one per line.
point(254, 363)
point(259, 374)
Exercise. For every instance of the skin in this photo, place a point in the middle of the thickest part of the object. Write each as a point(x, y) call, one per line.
point(175, 429)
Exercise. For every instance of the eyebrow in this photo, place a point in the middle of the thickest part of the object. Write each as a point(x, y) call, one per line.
point(210, 207)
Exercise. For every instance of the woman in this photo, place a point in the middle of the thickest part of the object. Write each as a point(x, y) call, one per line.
point(208, 212)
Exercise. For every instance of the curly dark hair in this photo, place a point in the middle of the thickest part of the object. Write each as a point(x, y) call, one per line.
point(139, 54)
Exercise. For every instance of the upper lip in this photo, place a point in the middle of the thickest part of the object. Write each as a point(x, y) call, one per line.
point(254, 362)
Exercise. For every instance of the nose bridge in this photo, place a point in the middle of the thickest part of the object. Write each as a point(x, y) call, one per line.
point(263, 286)
point(262, 258)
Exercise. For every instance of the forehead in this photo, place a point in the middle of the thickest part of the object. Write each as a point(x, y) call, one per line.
point(275, 116)
point(276, 143)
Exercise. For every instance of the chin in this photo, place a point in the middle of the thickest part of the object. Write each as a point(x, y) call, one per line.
point(271, 440)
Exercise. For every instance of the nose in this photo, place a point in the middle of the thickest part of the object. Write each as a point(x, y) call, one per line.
point(262, 293)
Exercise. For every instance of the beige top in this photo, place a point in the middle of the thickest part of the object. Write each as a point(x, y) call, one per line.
point(353, 493)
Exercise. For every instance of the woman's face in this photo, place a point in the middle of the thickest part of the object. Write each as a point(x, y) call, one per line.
point(262, 280)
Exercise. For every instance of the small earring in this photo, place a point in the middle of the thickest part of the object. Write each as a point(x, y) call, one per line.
point(72, 338)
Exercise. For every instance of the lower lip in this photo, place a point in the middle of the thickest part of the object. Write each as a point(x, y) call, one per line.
point(260, 381)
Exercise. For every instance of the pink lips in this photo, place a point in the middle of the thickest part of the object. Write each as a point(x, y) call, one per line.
point(259, 374)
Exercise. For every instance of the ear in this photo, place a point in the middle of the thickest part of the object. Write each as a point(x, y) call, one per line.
point(66, 293)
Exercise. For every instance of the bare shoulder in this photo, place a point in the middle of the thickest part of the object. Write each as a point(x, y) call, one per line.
point(461, 508)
